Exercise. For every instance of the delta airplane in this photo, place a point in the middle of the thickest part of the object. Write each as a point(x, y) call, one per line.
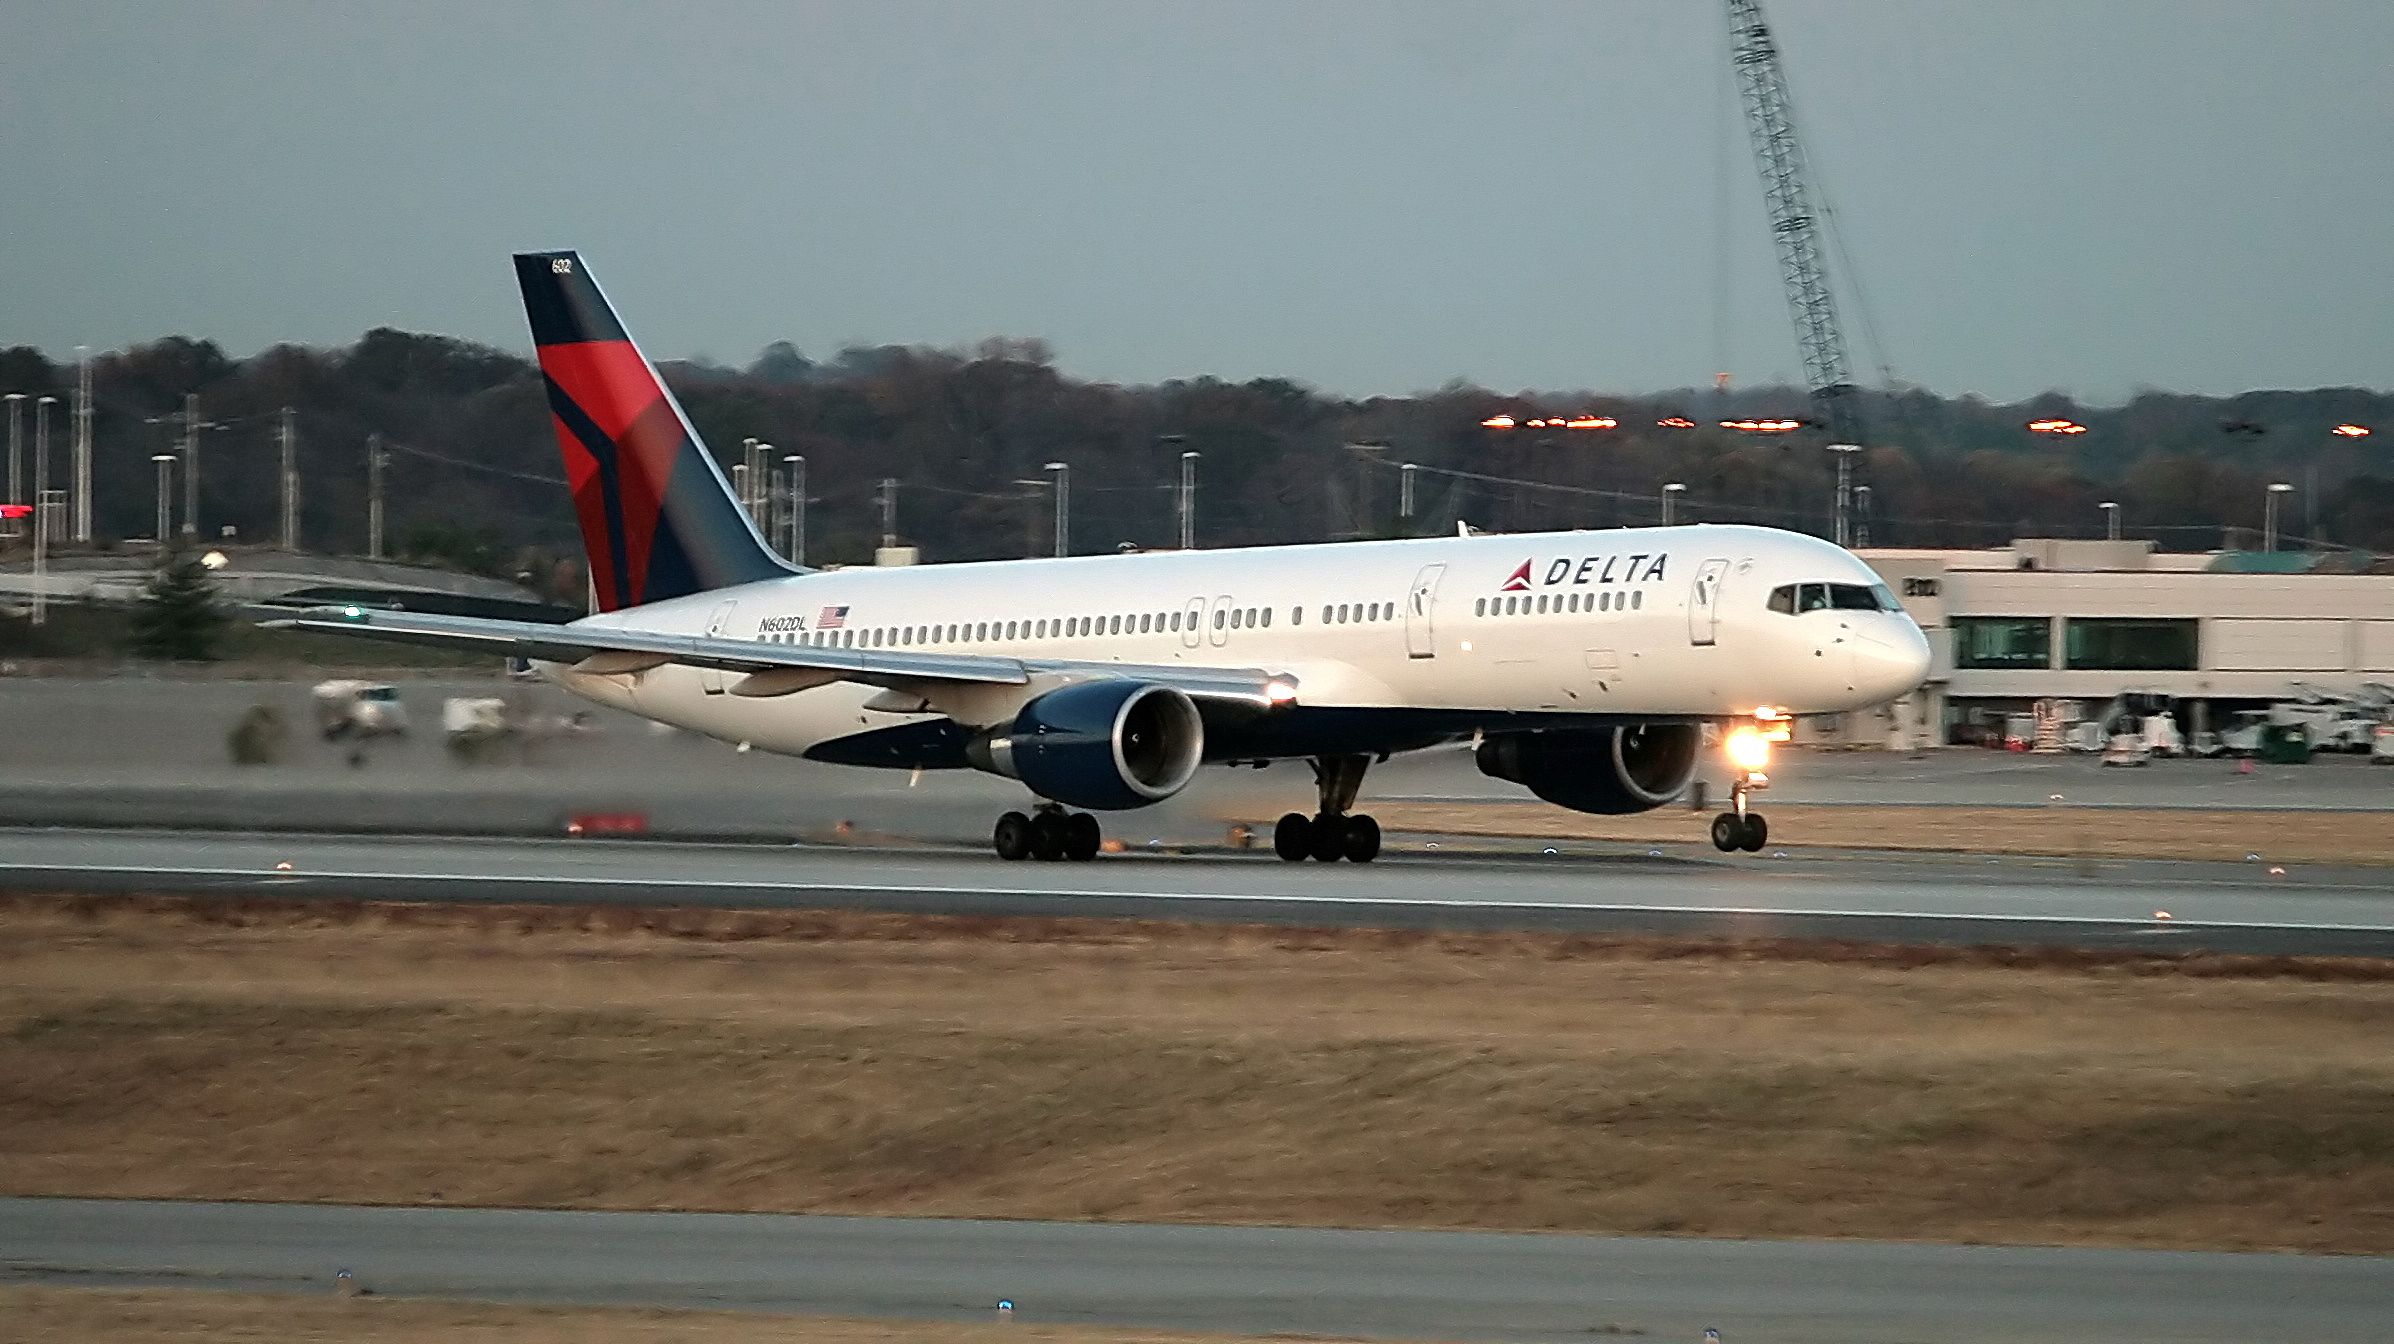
point(1585, 667)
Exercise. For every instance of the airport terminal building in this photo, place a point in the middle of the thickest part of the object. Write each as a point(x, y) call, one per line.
point(2096, 620)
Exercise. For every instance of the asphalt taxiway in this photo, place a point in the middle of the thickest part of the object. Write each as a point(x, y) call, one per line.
point(1283, 1281)
point(1946, 900)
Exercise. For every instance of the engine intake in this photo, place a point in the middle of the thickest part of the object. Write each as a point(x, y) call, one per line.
point(1612, 771)
point(1100, 744)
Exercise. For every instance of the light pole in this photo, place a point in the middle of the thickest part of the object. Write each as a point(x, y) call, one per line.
point(889, 513)
point(166, 468)
point(1405, 476)
point(1845, 490)
point(1188, 498)
point(795, 469)
point(16, 453)
point(1672, 490)
point(1063, 488)
point(2111, 519)
point(2269, 514)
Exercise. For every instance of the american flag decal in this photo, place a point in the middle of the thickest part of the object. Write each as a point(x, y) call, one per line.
point(832, 618)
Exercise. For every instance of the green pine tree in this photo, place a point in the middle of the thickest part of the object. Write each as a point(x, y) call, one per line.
point(179, 616)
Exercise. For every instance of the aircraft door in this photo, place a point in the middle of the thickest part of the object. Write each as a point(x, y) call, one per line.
point(1704, 602)
point(1217, 632)
point(710, 679)
point(1192, 624)
point(1421, 636)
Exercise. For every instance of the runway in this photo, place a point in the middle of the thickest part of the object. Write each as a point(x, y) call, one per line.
point(1438, 1285)
point(1953, 900)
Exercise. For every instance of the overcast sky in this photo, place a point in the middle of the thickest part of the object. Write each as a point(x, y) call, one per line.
point(2090, 195)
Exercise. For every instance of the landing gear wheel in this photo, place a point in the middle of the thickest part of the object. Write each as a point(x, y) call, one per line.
point(1362, 839)
point(1081, 837)
point(1328, 843)
point(1728, 833)
point(1012, 838)
point(1292, 837)
point(1047, 836)
point(1758, 833)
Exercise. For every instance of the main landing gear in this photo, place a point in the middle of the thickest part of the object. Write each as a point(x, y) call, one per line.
point(1749, 750)
point(1049, 833)
point(1333, 833)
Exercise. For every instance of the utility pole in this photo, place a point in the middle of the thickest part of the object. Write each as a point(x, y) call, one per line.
point(41, 508)
point(373, 497)
point(289, 435)
point(796, 462)
point(83, 445)
point(1845, 490)
point(889, 512)
point(1670, 501)
point(1405, 498)
point(1063, 473)
point(191, 429)
point(16, 454)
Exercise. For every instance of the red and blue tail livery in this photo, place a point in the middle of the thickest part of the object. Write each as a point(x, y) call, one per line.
point(658, 520)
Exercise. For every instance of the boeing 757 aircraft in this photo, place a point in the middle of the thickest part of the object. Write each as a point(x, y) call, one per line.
point(1584, 666)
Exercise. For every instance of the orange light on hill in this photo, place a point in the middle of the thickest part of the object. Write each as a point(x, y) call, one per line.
point(1498, 422)
point(2351, 431)
point(1762, 426)
point(1676, 422)
point(1590, 422)
point(2055, 427)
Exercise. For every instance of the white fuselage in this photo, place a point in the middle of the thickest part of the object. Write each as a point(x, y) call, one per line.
point(1620, 625)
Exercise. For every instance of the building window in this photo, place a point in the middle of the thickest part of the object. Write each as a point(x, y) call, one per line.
point(2139, 645)
point(2002, 641)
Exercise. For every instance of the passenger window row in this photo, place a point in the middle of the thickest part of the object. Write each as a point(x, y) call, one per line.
point(1559, 604)
point(1070, 627)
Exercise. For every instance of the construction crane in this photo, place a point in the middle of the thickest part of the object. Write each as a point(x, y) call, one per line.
point(1789, 197)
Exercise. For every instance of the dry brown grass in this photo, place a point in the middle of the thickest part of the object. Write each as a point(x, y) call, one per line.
point(1088, 1069)
point(2286, 837)
point(107, 1316)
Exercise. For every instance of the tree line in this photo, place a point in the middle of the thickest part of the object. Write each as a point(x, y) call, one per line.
point(472, 474)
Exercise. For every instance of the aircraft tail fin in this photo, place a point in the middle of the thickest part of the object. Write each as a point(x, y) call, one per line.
point(658, 519)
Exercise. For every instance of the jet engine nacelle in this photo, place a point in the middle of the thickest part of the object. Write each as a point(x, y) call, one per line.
point(1099, 744)
point(1607, 770)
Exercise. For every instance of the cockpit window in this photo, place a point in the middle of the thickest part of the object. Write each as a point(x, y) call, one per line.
point(1795, 598)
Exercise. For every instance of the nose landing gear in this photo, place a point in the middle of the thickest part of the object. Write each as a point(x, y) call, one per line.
point(1748, 747)
point(1049, 833)
point(1332, 833)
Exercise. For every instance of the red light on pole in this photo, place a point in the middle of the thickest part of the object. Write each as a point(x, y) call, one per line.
point(16, 510)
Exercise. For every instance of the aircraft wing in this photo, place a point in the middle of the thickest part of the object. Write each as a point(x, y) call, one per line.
point(771, 669)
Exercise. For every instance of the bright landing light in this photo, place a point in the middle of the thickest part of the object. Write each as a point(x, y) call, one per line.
point(1749, 748)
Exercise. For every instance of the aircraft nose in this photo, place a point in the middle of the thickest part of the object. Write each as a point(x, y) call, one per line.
point(1892, 660)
